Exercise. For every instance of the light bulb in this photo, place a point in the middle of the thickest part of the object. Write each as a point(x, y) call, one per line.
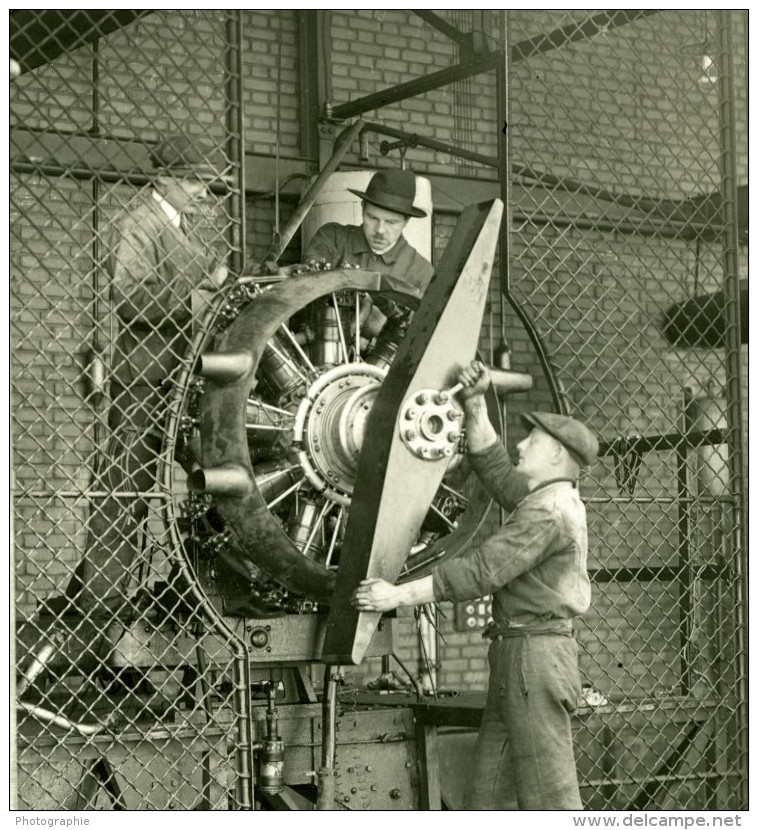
point(708, 71)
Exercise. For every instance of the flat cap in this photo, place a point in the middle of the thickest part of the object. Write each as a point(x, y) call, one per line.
point(183, 155)
point(574, 435)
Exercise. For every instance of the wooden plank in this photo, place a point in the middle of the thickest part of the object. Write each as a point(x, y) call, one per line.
point(427, 749)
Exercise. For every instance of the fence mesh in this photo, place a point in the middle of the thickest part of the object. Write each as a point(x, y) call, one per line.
point(608, 236)
point(127, 696)
point(132, 692)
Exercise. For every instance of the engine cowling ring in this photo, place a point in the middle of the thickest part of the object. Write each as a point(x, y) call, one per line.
point(253, 533)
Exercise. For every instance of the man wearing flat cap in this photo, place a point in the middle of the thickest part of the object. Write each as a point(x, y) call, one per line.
point(535, 567)
point(378, 244)
point(156, 263)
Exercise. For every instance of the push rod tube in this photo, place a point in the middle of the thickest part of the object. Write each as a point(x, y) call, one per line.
point(326, 782)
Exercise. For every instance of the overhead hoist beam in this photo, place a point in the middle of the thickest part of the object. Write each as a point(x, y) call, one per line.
point(598, 24)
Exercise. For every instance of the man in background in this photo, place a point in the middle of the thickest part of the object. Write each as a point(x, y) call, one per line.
point(378, 244)
point(155, 263)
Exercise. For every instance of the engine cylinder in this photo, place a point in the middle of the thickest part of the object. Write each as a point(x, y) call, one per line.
point(278, 367)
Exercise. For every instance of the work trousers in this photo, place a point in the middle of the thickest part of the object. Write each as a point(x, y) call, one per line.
point(524, 757)
point(128, 468)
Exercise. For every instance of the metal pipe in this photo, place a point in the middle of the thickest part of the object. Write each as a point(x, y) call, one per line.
point(93, 494)
point(666, 229)
point(419, 689)
point(225, 367)
point(506, 381)
point(463, 39)
point(86, 729)
point(659, 573)
point(683, 568)
point(341, 146)
point(654, 500)
point(504, 357)
point(733, 360)
point(503, 105)
point(97, 370)
point(326, 782)
point(36, 666)
point(207, 707)
point(226, 480)
point(417, 86)
point(416, 140)
point(87, 173)
point(655, 443)
point(244, 787)
point(575, 186)
point(235, 125)
point(604, 22)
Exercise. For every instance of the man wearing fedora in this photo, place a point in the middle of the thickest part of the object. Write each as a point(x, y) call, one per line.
point(155, 262)
point(378, 244)
point(535, 567)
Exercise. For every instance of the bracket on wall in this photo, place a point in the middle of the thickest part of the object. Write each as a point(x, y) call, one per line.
point(627, 457)
point(628, 450)
point(470, 43)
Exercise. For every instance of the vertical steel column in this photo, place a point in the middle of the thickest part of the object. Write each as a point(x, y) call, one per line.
point(504, 153)
point(733, 360)
point(502, 91)
point(97, 369)
point(313, 31)
point(235, 127)
point(244, 788)
point(684, 561)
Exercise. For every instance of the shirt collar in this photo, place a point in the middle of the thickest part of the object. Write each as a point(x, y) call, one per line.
point(388, 257)
point(571, 481)
point(170, 211)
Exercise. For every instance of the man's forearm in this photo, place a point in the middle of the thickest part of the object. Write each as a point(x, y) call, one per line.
point(417, 592)
point(480, 434)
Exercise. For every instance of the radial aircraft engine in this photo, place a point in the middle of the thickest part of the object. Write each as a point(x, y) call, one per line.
point(319, 456)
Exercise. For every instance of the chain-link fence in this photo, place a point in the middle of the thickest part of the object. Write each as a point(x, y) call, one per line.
point(129, 693)
point(621, 297)
point(621, 199)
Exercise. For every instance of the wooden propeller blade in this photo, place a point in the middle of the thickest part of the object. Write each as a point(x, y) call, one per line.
point(394, 488)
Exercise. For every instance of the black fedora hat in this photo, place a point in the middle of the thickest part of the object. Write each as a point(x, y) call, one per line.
point(392, 190)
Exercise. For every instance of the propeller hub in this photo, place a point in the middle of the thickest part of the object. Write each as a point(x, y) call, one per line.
point(330, 427)
point(430, 424)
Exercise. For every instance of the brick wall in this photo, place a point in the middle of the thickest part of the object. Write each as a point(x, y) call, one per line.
point(622, 111)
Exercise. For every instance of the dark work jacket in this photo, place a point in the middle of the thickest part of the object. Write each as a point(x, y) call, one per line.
point(343, 245)
point(536, 564)
point(154, 267)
